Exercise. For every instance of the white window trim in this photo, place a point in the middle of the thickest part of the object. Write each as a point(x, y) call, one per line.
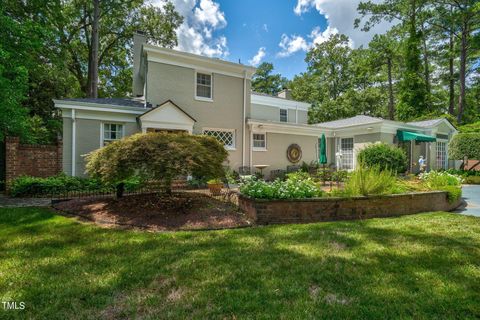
point(229, 148)
point(195, 86)
point(258, 148)
point(102, 130)
point(280, 114)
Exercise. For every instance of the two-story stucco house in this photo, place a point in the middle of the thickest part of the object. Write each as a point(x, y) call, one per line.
point(177, 91)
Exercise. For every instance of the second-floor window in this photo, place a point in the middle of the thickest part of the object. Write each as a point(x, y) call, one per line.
point(204, 86)
point(283, 115)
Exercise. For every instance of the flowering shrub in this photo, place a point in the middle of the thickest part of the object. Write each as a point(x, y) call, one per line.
point(435, 179)
point(298, 185)
point(441, 180)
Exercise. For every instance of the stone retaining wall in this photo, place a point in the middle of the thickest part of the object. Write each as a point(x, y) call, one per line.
point(332, 209)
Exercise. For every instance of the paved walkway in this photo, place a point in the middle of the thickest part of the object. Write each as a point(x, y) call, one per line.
point(7, 202)
point(471, 194)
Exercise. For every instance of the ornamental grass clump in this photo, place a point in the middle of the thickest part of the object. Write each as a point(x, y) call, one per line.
point(370, 181)
point(297, 186)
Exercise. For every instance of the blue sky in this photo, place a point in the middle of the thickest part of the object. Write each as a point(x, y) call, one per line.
point(277, 31)
point(249, 30)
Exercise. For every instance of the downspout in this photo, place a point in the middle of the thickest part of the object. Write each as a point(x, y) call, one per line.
point(296, 114)
point(251, 147)
point(244, 115)
point(74, 138)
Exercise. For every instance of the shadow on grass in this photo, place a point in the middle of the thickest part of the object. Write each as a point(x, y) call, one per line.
point(424, 266)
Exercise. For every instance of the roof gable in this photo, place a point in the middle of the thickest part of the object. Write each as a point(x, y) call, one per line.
point(167, 112)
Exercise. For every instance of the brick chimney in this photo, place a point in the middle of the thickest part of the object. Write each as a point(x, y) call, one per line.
point(285, 93)
point(139, 39)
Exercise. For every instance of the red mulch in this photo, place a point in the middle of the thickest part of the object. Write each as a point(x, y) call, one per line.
point(181, 211)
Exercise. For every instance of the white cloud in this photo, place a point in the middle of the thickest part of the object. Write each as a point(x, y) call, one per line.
point(209, 13)
point(265, 27)
point(201, 19)
point(318, 36)
point(340, 15)
point(292, 44)
point(255, 61)
point(295, 43)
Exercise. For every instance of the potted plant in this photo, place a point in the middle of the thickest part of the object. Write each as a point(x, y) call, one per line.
point(215, 186)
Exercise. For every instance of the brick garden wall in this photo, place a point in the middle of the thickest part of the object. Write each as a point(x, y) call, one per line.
point(332, 209)
point(31, 160)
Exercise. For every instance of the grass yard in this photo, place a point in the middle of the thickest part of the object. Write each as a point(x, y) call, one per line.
point(420, 266)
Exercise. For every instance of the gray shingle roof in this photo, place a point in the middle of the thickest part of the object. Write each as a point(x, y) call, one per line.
point(425, 123)
point(124, 102)
point(353, 121)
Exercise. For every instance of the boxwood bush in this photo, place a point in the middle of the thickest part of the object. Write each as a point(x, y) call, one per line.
point(383, 156)
point(33, 186)
point(464, 145)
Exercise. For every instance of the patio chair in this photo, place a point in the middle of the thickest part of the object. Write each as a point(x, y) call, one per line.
point(278, 173)
point(292, 168)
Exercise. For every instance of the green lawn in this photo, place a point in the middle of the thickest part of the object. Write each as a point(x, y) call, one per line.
point(421, 266)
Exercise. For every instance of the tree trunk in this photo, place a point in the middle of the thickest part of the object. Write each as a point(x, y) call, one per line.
point(425, 60)
point(93, 92)
point(463, 71)
point(120, 189)
point(391, 105)
point(451, 76)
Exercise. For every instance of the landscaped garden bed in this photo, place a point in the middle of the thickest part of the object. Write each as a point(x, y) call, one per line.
point(179, 211)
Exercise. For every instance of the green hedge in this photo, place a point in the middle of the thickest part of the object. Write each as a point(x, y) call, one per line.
point(383, 156)
point(464, 145)
point(60, 184)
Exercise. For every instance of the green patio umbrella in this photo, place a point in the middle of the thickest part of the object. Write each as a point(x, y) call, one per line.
point(323, 150)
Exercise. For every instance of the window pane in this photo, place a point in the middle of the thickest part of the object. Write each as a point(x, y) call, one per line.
point(283, 115)
point(347, 153)
point(204, 85)
point(441, 155)
point(203, 91)
point(258, 140)
point(112, 131)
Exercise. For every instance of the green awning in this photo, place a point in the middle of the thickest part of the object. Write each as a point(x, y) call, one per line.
point(408, 136)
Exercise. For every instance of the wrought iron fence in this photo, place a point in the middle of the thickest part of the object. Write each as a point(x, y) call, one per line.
point(226, 194)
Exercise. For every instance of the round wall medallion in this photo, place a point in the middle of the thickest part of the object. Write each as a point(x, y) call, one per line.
point(294, 153)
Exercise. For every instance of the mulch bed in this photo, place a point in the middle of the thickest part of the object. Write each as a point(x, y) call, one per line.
point(180, 211)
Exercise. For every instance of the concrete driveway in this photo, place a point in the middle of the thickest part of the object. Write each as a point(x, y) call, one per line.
point(471, 195)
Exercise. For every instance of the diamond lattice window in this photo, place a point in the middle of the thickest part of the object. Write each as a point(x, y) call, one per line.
point(227, 137)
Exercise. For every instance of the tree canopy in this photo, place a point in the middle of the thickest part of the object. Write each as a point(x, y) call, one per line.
point(45, 53)
point(265, 82)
